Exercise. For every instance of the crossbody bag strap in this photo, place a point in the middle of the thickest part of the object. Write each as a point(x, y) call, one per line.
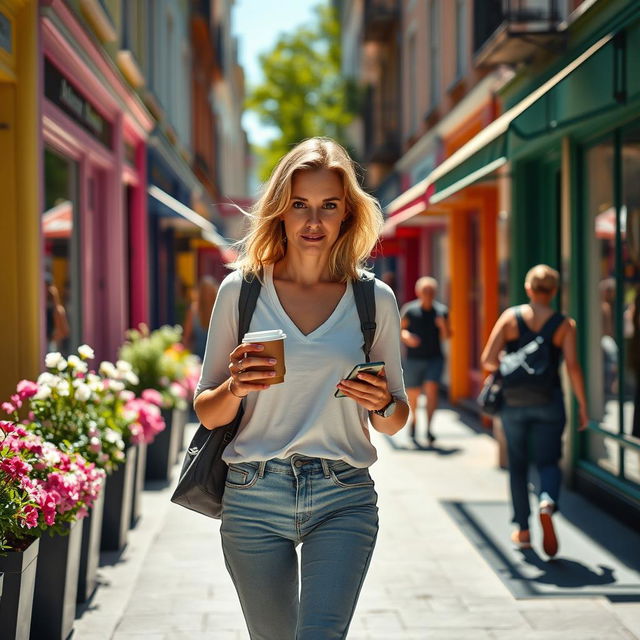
point(364, 293)
point(249, 293)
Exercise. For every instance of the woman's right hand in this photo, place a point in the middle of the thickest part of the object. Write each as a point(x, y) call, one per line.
point(244, 379)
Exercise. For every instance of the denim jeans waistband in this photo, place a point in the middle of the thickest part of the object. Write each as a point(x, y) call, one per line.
point(295, 465)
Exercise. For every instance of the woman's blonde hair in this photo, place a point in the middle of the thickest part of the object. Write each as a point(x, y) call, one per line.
point(265, 241)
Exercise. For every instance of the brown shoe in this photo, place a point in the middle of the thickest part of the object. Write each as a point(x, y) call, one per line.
point(549, 538)
point(521, 539)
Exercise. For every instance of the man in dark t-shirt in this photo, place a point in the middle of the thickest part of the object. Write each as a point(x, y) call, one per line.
point(425, 324)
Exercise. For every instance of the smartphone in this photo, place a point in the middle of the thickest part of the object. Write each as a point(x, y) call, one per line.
point(365, 367)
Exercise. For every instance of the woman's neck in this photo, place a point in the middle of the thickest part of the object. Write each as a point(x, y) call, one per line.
point(304, 270)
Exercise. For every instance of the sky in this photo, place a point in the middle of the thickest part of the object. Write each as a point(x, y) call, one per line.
point(258, 23)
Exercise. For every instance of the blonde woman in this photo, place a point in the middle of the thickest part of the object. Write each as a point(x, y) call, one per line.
point(298, 467)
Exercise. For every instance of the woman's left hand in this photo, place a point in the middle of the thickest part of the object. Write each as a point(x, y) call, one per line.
point(369, 391)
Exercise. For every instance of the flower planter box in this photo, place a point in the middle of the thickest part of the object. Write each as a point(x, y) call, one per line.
point(138, 483)
point(19, 569)
point(54, 599)
point(118, 494)
point(90, 549)
point(162, 452)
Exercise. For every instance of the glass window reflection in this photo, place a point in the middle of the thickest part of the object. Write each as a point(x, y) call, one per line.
point(59, 230)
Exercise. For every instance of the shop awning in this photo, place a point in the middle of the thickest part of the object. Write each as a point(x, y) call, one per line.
point(57, 222)
point(489, 149)
point(208, 231)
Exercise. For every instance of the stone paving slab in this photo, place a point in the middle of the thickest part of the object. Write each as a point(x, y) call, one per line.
point(427, 579)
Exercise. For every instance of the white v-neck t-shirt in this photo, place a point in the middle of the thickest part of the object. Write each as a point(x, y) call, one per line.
point(301, 415)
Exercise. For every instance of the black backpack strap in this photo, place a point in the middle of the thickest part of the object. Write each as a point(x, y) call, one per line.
point(249, 293)
point(551, 325)
point(364, 293)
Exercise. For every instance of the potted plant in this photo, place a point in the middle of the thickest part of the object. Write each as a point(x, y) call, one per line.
point(156, 358)
point(81, 411)
point(42, 489)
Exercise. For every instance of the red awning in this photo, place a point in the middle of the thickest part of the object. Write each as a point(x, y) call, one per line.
point(57, 222)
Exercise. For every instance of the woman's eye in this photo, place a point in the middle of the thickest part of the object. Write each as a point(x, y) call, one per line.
point(330, 205)
point(298, 202)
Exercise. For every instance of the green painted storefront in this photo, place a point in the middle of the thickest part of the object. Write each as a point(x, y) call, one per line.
point(574, 159)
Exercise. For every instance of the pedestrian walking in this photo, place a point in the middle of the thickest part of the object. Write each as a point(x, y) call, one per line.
point(527, 345)
point(425, 325)
point(298, 466)
point(198, 313)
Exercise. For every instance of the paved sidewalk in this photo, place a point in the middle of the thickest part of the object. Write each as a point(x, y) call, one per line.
point(427, 579)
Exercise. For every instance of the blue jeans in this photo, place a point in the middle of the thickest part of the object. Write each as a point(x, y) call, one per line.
point(268, 509)
point(536, 430)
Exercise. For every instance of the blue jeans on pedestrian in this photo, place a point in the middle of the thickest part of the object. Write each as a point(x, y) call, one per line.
point(535, 430)
point(327, 506)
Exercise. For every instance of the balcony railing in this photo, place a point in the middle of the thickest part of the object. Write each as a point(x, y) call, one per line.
point(514, 31)
point(380, 17)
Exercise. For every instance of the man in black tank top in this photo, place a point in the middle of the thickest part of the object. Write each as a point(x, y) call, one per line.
point(425, 324)
point(533, 414)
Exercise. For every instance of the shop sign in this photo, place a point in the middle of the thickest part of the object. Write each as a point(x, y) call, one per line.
point(6, 33)
point(64, 94)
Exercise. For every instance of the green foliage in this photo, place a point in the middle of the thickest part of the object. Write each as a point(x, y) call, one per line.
point(304, 93)
point(159, 361)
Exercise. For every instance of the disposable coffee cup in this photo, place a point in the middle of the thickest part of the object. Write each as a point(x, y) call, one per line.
point(273, 343)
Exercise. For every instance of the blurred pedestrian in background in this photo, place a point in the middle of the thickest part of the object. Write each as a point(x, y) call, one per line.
point(298, 466)
point(425, 324)
point(533, 415)
point(196, 320)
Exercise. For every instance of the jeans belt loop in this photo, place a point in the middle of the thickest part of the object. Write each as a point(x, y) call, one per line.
point(261, 468)
point(325, 468)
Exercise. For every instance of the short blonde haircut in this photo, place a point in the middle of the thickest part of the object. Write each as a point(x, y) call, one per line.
point(542, 278)
point(265, 241)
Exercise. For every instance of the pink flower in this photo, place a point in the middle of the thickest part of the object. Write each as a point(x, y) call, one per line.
point(15, 467)
point(29, 516)
point(153, 396)
point(15, 398)
point(7, 407)
point(7, 427)
point(26, 389)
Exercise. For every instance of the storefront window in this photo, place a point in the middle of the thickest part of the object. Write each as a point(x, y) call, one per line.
point(630, 237)
point(604, 352)
point(61, 255)
point(630, 249)
point(614, 312)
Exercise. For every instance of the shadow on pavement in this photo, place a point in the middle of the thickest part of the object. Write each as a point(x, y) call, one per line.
point(598, 572)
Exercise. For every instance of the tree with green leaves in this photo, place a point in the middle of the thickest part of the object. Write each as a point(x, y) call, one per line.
point(303, 94)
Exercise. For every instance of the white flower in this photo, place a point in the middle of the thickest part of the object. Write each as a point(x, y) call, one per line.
point(79, 365)
point(131, 378)
point(83, 392)
point(63, 388)
point(129, 415)
point(86, 352)
point(107, 369)
point(92, 377)
point(118, 455)
point(44, 391)
point(52, 359)
point(47, 378)
point(123, 366)
point(120, 444)
point(96, 387)
point(111, 436)
point(116, 385)
point(62, 365)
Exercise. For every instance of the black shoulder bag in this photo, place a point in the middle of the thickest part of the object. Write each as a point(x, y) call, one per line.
point(204, 472)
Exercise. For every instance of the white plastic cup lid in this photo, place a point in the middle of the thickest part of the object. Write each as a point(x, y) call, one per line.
point(264, 336)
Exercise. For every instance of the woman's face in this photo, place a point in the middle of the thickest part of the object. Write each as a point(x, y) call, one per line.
point(316, 211)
